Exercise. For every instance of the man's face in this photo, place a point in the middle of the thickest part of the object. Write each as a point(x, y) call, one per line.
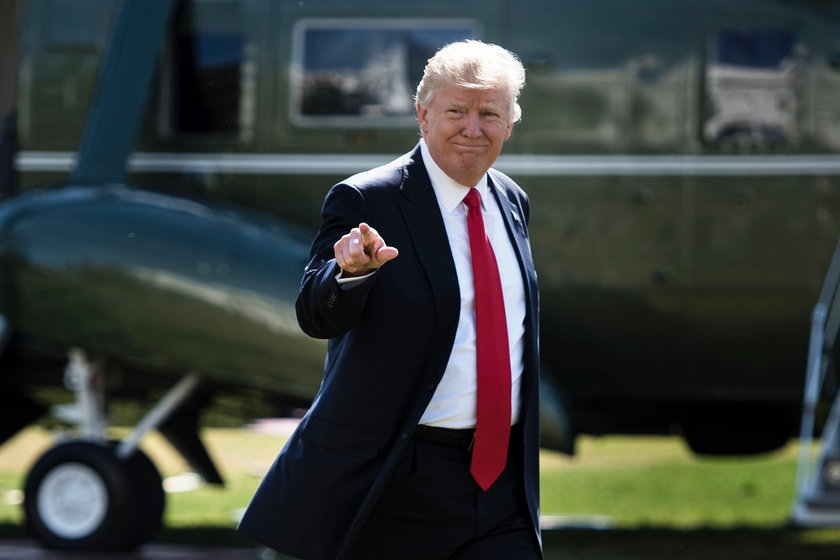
point(465, 130)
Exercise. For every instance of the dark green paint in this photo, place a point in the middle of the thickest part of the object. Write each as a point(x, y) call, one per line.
point(161, 283)
point(675, 298)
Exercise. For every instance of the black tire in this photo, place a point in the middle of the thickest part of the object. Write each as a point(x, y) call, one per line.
point(738, 429)
point(80, 496)
point(151, 500)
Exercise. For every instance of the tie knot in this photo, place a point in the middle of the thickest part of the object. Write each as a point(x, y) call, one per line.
point(473, 199)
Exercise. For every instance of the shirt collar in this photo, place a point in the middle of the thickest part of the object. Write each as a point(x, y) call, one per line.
point(449, 192)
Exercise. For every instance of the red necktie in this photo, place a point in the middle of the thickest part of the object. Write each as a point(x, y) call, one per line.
point(492, 426)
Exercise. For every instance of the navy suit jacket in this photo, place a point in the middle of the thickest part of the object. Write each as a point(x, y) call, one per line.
point(390, 341)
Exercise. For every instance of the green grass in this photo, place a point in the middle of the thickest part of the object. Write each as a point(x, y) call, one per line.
point(657, 482)
point(662, 501)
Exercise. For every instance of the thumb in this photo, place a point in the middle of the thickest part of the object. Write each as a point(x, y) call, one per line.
point(386, 253)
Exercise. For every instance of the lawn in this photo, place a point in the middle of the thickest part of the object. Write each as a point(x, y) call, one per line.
point(639, 482)
point(658, 500)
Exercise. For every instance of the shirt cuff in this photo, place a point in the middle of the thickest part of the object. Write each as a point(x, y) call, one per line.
point(350, 283)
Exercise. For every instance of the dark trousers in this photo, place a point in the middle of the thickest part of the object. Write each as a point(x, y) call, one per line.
point(432, 509)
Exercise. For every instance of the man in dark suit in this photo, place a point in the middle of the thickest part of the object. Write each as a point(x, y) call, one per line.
point(423, 440)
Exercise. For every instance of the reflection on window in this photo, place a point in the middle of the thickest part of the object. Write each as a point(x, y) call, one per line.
point(364, 70)
point(750, 80)
point(207, 78)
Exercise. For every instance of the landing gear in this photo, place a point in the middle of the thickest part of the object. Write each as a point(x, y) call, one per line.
point(81, 496)
point(94, 494)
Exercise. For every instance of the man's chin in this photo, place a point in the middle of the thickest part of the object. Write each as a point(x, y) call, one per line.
point(473, 163)
point(469, 175)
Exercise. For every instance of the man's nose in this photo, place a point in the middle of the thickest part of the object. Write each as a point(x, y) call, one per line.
point(472, 126)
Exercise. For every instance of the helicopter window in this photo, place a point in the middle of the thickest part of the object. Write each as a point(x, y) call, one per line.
point(207, 74)
point(750, 96)
point(347, 71)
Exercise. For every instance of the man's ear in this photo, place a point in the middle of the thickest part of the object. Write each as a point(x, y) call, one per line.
point(422, 116)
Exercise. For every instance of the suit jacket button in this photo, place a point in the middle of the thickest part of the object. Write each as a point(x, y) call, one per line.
point(404, 435)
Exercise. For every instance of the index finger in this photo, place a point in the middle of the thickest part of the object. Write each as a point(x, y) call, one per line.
point(368, 233)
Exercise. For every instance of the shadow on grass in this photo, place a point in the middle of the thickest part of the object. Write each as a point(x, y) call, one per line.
point(203, 536)
point(587, 544)
point(695, 544)
point(10, 531)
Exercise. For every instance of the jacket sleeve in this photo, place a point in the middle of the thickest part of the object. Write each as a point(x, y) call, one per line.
point(324, 310)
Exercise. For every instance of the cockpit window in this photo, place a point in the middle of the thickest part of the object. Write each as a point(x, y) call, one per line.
point(364, 71)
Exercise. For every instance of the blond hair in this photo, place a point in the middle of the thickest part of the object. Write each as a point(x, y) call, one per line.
point(476, 65)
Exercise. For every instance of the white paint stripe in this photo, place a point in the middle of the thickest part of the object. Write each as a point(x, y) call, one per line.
point(516, 165)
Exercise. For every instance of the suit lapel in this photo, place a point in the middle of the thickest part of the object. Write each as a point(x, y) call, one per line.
point(515, 224)
point(421, 212)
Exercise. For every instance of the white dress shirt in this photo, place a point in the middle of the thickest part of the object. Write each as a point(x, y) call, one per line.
point(454, 402)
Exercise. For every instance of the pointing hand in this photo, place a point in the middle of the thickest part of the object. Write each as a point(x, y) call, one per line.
point(362, 251)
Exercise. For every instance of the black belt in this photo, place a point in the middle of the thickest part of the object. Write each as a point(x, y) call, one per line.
point(445, 436)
